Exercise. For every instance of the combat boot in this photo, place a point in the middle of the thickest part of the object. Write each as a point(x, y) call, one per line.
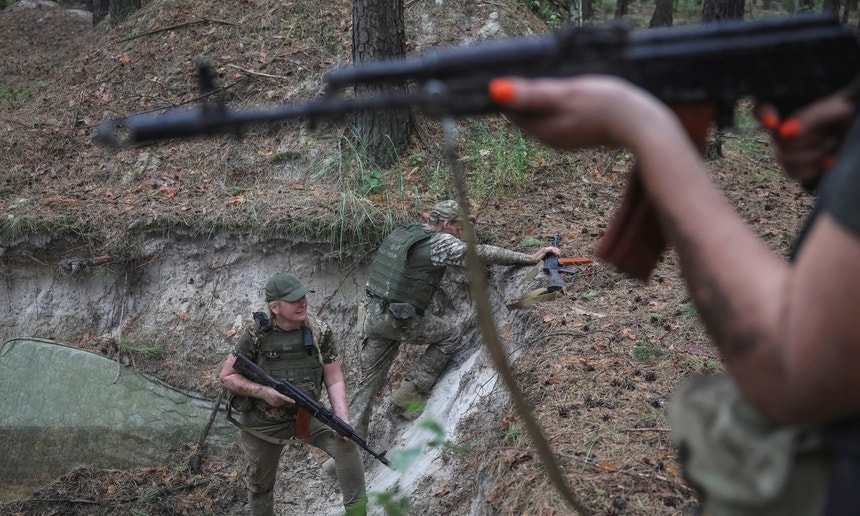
point(330, 468)
point(404, 396)
point(261, 504)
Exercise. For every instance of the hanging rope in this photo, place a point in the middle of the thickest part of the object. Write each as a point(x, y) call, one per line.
point(488, 328)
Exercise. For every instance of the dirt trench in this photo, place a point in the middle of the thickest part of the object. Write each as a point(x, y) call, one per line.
point(188, 297)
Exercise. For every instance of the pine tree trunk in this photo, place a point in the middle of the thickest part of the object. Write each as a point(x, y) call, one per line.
point(662, 16)
point(378, 33)
point(716, 10)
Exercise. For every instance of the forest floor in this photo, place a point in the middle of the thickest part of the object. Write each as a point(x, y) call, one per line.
point(612, 351)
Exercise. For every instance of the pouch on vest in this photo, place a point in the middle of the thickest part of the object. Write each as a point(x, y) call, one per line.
point(742, 464)
point(362, 315)
point(402, 310)
point(239, 403)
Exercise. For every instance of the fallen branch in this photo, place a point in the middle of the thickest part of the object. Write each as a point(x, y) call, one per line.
point(194, 463)
point(63, 500)
point(679, 483)
point(261, 74)
point(173, 27)
point(647, 430)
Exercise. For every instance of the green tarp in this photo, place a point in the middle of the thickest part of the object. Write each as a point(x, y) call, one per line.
point(63, 407)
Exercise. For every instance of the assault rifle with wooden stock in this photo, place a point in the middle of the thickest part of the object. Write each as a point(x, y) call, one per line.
point(701, 71)
point(250, 370)
point(552, 268)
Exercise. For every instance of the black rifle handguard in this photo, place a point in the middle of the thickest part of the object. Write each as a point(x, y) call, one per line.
point(786, 61)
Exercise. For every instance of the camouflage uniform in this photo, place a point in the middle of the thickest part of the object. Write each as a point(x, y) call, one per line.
point(392, 319)
point(265, 430)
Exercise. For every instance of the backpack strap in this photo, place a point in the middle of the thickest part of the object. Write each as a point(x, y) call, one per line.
point(258, 330)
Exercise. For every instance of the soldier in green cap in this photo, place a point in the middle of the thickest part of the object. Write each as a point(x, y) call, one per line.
point(290, 344)
point(405, 274)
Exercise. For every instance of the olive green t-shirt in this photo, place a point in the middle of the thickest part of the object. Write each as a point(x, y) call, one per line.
point(842, 195)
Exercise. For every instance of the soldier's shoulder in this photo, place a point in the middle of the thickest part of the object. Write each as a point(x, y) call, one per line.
point(446, 242)
point(316, 324)
point(255, 324)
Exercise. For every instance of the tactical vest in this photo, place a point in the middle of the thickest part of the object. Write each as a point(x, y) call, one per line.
point(290, 356)
point(402, 271)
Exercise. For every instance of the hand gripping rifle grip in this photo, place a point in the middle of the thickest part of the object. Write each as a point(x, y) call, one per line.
point(634, 240)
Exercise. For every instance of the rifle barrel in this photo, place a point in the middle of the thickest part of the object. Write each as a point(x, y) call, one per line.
point(711, 63)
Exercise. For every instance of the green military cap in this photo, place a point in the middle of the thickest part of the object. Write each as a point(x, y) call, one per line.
point(286, 286)
point(448, 210)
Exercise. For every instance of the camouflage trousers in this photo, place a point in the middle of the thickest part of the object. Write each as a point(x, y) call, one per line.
point(262, 458)
point(383, 334)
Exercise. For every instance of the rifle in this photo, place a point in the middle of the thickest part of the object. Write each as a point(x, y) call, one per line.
point(700, 70)
point(552, 268)
point(247, 368)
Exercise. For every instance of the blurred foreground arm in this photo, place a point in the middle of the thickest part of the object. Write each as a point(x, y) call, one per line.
point(788, 333)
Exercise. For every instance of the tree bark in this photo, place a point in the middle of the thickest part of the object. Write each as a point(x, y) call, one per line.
point(100, 9)
point(117, 9)
point(587, 11)
point(621, 8)
point(121, 9)
point(713, 11)
point(662, 16)
point(716, 10)
point(831, 6)
point(850, 5)
point(378, 33)
point(574, 13)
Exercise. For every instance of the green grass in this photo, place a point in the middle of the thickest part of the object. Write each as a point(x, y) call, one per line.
point(152, 351)
point(549, 11)
point(530, 242)
point(12, 93)
point(14, 228)
point(360, 224)
point(646, 352)
point(21, 91)
point(702, 364)
point(751, 141)
point(514, 431)
point(498, 158)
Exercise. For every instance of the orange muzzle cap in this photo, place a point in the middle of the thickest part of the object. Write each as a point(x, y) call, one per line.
point(501, 91)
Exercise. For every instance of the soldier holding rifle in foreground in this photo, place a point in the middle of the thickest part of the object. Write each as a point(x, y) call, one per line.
point(778, 433)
